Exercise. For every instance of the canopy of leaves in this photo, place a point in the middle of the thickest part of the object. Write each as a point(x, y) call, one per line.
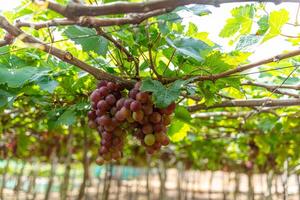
point(41, 97)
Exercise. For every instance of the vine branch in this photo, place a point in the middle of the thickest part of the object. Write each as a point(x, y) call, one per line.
point(62, 55)
point(247, 103)
point(73, 10)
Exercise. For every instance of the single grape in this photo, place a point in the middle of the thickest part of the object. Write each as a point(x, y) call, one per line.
point(138, 116)
point(159, 136)
point(155, 117)
point(142, 97)
point(133, 93)
point(103, 91)
point(104, 120)
point(125, 112)
point(100, 161)
point(168, 110)
point(112, 86)
point(165, 141)
point(158, 127)
point(120, 116)
point(127, 103)
point(101, 84)
point(135, 106)
point(147, 129)
point(149, 139)
point(120, 103)
point(92, 115)
point(148, 109)
point(156, 145)
point(103, 105)
point(110, 99)
point(95, 96)
point(166, 120)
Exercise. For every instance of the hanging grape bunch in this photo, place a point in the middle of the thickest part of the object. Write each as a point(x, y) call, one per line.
point(113, 115)
point(151, 122)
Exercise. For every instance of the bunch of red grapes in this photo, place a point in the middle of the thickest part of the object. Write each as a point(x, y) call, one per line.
point(114, 115)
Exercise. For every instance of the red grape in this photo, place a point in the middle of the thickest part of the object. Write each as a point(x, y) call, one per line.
point(92, 115)
point(103, 105)
point(110, 99)
point(101, 84)
point(133, 93)
point(104, 120)
point(138, 116)
point(95, 96)
point(135, 106)
point(127, 103)
point(148, 109)
point(103, 91)
point(169, 110)
point(142, 97)
point(120, 103)
point(155, 117)
point(147, 129)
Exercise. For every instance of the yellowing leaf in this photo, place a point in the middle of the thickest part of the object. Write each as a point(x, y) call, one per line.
point(181, 133)
point(276, 20)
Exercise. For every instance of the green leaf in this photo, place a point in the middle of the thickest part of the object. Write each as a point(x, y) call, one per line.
point(182, 114)
point(232, 26)
point(199, 10)
point(18, 77)
point(67, 118)
point(88, 39)
point(48, 85)
point(263, 24)
point(241, 21)
point(247, 41)
point(276, 20)
point(162, 96)
point(190, 47)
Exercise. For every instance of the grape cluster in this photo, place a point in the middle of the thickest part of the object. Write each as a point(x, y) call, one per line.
point(150, 122)
point(114, 115)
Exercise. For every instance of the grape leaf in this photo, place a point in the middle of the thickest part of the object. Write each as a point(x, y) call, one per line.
point(190, 47)
point(162, 96)
point(67, 118)
point(247, 41)
point(276, 20)
point(241, 21)
point(88, 39)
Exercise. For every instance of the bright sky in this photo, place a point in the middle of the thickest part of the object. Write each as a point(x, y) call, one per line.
point(214, 22)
